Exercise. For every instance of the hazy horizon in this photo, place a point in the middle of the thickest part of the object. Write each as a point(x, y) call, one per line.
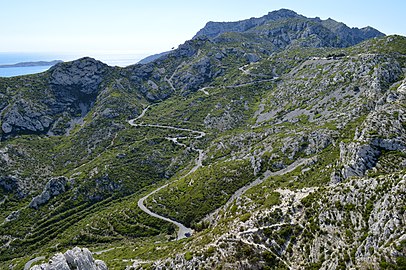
point(118, 59)
point(92, 28)
point(9, 58)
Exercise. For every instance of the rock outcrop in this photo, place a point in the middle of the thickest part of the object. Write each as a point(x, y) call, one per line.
point(25, 117)
point(11, 184)
point(357, 158)
point(358, 224)
point(69, 91)
point(383, 130)
point(75, 259)
point(53, 188)
point(213, 29)
point(78, 78)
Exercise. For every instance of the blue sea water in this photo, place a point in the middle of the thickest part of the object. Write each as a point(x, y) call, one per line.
point(17, 71)
point(121, 60)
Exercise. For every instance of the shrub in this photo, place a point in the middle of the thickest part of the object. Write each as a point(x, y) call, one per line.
point(188, 256)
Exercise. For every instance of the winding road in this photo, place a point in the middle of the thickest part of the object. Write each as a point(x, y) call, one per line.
point(30, 262)
point(183, 231)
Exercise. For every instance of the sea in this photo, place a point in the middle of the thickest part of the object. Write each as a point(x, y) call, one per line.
point(112, 59)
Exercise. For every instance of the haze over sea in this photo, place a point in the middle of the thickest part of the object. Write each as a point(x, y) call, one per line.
point(8, 58)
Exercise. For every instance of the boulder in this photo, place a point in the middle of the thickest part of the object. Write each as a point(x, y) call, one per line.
point(75, 259)
point(53, 188)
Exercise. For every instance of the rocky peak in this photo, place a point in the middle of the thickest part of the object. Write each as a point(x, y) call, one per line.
point(70, 87)
point(213, 29)
point(281, 14)
point(83, 76)
point(53, 188)
point(370, 32)
point(353, 35)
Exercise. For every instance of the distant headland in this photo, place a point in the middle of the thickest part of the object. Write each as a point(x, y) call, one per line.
point(32, 64)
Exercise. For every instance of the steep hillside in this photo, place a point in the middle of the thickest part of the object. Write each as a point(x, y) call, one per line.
point(276, 142)
point(333, 128)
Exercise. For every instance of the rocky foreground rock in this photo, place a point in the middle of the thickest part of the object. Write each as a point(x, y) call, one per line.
point(75, 259)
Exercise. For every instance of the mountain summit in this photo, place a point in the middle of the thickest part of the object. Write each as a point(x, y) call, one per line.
point(213, 29)
point(292, 26)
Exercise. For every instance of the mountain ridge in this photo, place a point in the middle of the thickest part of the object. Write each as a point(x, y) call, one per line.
point(214, 29)
point(244, 25)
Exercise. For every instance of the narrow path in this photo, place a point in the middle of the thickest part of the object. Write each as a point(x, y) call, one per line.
point(204, 90)
point(254, 230)
point(183, 231)
point(30, 262)
point(252, 83)
point(142, 113)
point(258, 181)
point(261, 246)
point(201, 134)
point(103, 251)
point(170, 83)
point(248, 72)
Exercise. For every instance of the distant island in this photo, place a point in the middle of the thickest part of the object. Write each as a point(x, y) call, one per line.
point(32, 64)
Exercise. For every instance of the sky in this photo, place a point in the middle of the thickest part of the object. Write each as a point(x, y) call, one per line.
point(152, 26)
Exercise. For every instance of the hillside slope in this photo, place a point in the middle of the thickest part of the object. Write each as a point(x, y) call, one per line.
point(279, 140)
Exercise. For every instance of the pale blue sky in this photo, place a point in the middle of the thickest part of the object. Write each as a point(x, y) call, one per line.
point(151, 26)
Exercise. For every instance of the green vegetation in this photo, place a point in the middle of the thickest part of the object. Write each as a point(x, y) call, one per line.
point(191, 198)
point(301, 103)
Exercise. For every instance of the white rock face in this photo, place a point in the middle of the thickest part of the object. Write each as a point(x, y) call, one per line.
point(402, 87)
point(363, 216)
point(53, 188)
point(75, 259)
point(357, 158)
